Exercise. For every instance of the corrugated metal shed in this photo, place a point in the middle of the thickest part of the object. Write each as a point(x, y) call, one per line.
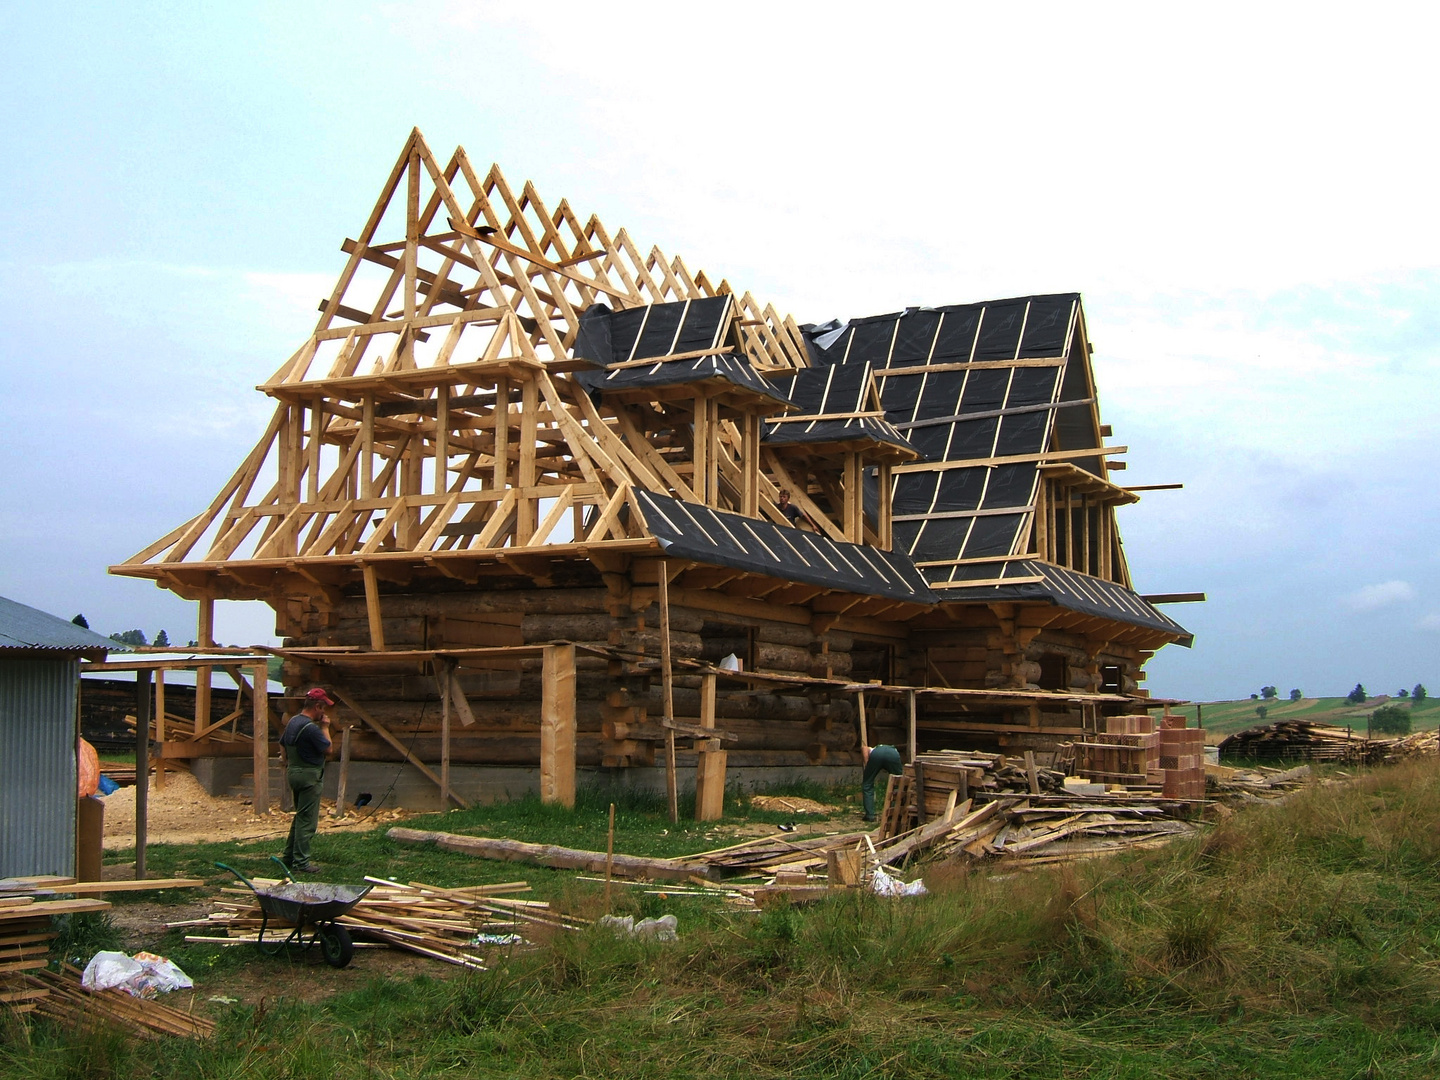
point(37, 765)
point(39, 679)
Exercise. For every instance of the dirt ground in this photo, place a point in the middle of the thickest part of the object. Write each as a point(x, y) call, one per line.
point(182, 812)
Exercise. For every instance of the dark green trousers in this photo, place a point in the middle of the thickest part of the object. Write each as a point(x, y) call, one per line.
point(304, 783)
point(882, 759)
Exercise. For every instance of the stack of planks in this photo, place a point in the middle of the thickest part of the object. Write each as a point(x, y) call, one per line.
point(64, 1000)
point(451, 925)
point(1257, 784)
point(25, 936)
point(1420, 744)
point(936, 782)
point(1299, 739)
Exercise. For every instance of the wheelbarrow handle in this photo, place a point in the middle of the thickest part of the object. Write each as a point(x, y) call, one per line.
point(284, 870)
point(237, 873)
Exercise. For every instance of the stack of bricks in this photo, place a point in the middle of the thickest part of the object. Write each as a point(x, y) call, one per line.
point(1127, 753)
point(1182, 757)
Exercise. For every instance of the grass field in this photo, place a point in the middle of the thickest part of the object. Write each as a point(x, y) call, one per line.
point(1228, 717)
point(1294, 941)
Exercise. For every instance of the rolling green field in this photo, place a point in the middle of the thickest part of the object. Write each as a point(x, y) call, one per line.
point(1227, 717)
point(1299, 941)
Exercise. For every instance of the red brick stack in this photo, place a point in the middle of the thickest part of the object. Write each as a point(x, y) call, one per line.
point(1182, 757)
point(1127, 753)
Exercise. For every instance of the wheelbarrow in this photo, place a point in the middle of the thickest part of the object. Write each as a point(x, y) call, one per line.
point(302, 905)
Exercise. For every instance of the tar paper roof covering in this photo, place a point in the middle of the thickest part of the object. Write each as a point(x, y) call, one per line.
point(1069, 589)
point(28, 628)
point(963, 414)
point(834, 388)
point(658, 330)
point(689, 531)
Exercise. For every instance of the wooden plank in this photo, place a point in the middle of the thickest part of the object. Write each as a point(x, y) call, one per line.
point(344, 781)
point(142, 773)
point(372, 607)
point(385, 733)
point(710, 763)
point(260, 740)
point(1009, 459)
point(668, 684)
point(445, 685)
point(557, 725)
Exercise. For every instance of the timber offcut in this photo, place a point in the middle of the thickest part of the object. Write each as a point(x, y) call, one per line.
point(535, 497)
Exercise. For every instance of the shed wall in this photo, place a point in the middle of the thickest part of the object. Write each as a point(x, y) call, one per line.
point(37, 766)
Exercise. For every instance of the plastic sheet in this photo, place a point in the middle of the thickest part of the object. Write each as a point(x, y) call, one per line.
point(665, 928)
point(882, 884)
point(143, 975)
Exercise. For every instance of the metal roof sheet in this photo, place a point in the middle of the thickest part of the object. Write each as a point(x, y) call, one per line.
point(28, 628)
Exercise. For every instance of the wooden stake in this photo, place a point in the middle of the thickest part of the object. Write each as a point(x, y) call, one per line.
point(667, 680)
point(260, 743)
point(444, 745)
point(557, 725)
point(160, 725)
point(344, 771)
point(205, 633)
point(864, 735)
point(142, 768)
point(609, 856)
point(910, 706)
point(1031, 773)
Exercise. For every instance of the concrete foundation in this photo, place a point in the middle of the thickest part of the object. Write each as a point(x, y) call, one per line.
point(393, 785)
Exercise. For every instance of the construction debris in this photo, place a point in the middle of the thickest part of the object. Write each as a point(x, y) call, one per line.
point(25, 937)
point(444, 924)
point(1260, 784)
point(62, 999)
point(1302, 740)
point(1420, 744)
point(787, 804)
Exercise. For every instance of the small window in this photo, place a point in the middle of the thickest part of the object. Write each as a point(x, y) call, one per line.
point(1053, 672)
point(1112, 678)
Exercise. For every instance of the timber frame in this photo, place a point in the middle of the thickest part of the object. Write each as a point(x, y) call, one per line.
point(514, 447)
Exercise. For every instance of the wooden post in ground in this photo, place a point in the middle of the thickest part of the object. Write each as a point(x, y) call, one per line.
point(557, 725)
point(260, 742)
point(205, 631)
point(667, 681)
point(445, 743)
point(710, 761)
point(160, 726)
point(609, 857)
point(860, 702)
point(372, 608)
point(142, 768)
point(910, 704)
point(344, 771)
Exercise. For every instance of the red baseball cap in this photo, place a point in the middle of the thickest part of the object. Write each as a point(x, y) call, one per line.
point(318, 696)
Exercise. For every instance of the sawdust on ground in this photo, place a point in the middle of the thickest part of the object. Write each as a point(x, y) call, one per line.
point(183, 812)
point(787, 804)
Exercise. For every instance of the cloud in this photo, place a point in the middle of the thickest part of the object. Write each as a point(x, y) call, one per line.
point(1382, 595)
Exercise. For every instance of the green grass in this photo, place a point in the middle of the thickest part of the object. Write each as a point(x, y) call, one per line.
point(1228, 717)
point(1294, 941)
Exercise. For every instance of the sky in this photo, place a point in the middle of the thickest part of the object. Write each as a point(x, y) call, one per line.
point(1242, 194)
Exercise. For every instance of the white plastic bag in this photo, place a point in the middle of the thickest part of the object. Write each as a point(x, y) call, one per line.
point(882, 884)
point(144, 975)
point(664, 928)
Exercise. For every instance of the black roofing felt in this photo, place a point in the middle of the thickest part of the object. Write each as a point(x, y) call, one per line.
point(658, 330)
point(838, 388)
point(686, 530)
point(1072, 590)
point(25, 627)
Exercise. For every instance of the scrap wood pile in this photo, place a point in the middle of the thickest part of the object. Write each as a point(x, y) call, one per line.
point(452, 925)
point(64, 1000)
point(1420, 744)
point(1259, 783)
point(1301, 740)
point(25, 936)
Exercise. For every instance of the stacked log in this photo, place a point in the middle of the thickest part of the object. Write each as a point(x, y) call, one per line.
point(1300, 740)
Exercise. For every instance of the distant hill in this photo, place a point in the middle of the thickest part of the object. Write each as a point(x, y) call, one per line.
point(1222, 718)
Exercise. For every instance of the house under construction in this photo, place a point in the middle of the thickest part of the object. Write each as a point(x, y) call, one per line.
point(519, 504)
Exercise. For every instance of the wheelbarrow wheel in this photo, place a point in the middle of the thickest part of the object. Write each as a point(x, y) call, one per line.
point(335, 944)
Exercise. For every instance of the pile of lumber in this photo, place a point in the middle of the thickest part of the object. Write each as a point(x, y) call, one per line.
point(1420, 744)
point(452, 925)
point(64, 1000)
point(936, 782)
point(1300, 740)
point(25, 936)
point(1257, 784)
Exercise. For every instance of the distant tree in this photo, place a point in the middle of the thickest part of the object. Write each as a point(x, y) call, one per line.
point(193, 644)
point(1356, 696)
point(1295, 695)
point(81, 621)
point(1268, 692)
point(1390, 720)
point(1254, 697)
point(162, 640)
point(1261, 710)
point(129, 637)
point(1402, 693)
point(1419, 693)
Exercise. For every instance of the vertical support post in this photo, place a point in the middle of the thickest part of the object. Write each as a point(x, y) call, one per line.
point(372, 608)
point(205, 636)
point(864, 735)
point(367, 446)
point(1069, 529)
point(712, 454)
point(751, 451)
point(668, 683)
point(445, 741)
point(344, 771)
point(142, 768)
point(557, 725)
point(887, 519)
point(260, 742)
point(850, 482)
point(699, 466)
point(442, 439)
point(710, 763)
point(502, 434)
point(910, 707)
point(526, 507)
point(160, 726)
point(609, 857)
point(312, 450)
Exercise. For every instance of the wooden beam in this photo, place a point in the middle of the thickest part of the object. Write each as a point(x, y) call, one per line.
point(260, 739)
point(557, 725)
point(142, 768)
point(160, 724)
point(667, 681)
point(445, 745)
point(372, 608)
point(910, 711)
point(710, 762)
point(860, 703)
point(344, 780)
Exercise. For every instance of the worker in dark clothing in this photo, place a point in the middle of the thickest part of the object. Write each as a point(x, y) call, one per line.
point(793, 514)
point(307, 742)
point(877, 759)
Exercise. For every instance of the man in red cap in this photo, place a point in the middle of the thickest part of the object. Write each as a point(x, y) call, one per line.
point(307, 742)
